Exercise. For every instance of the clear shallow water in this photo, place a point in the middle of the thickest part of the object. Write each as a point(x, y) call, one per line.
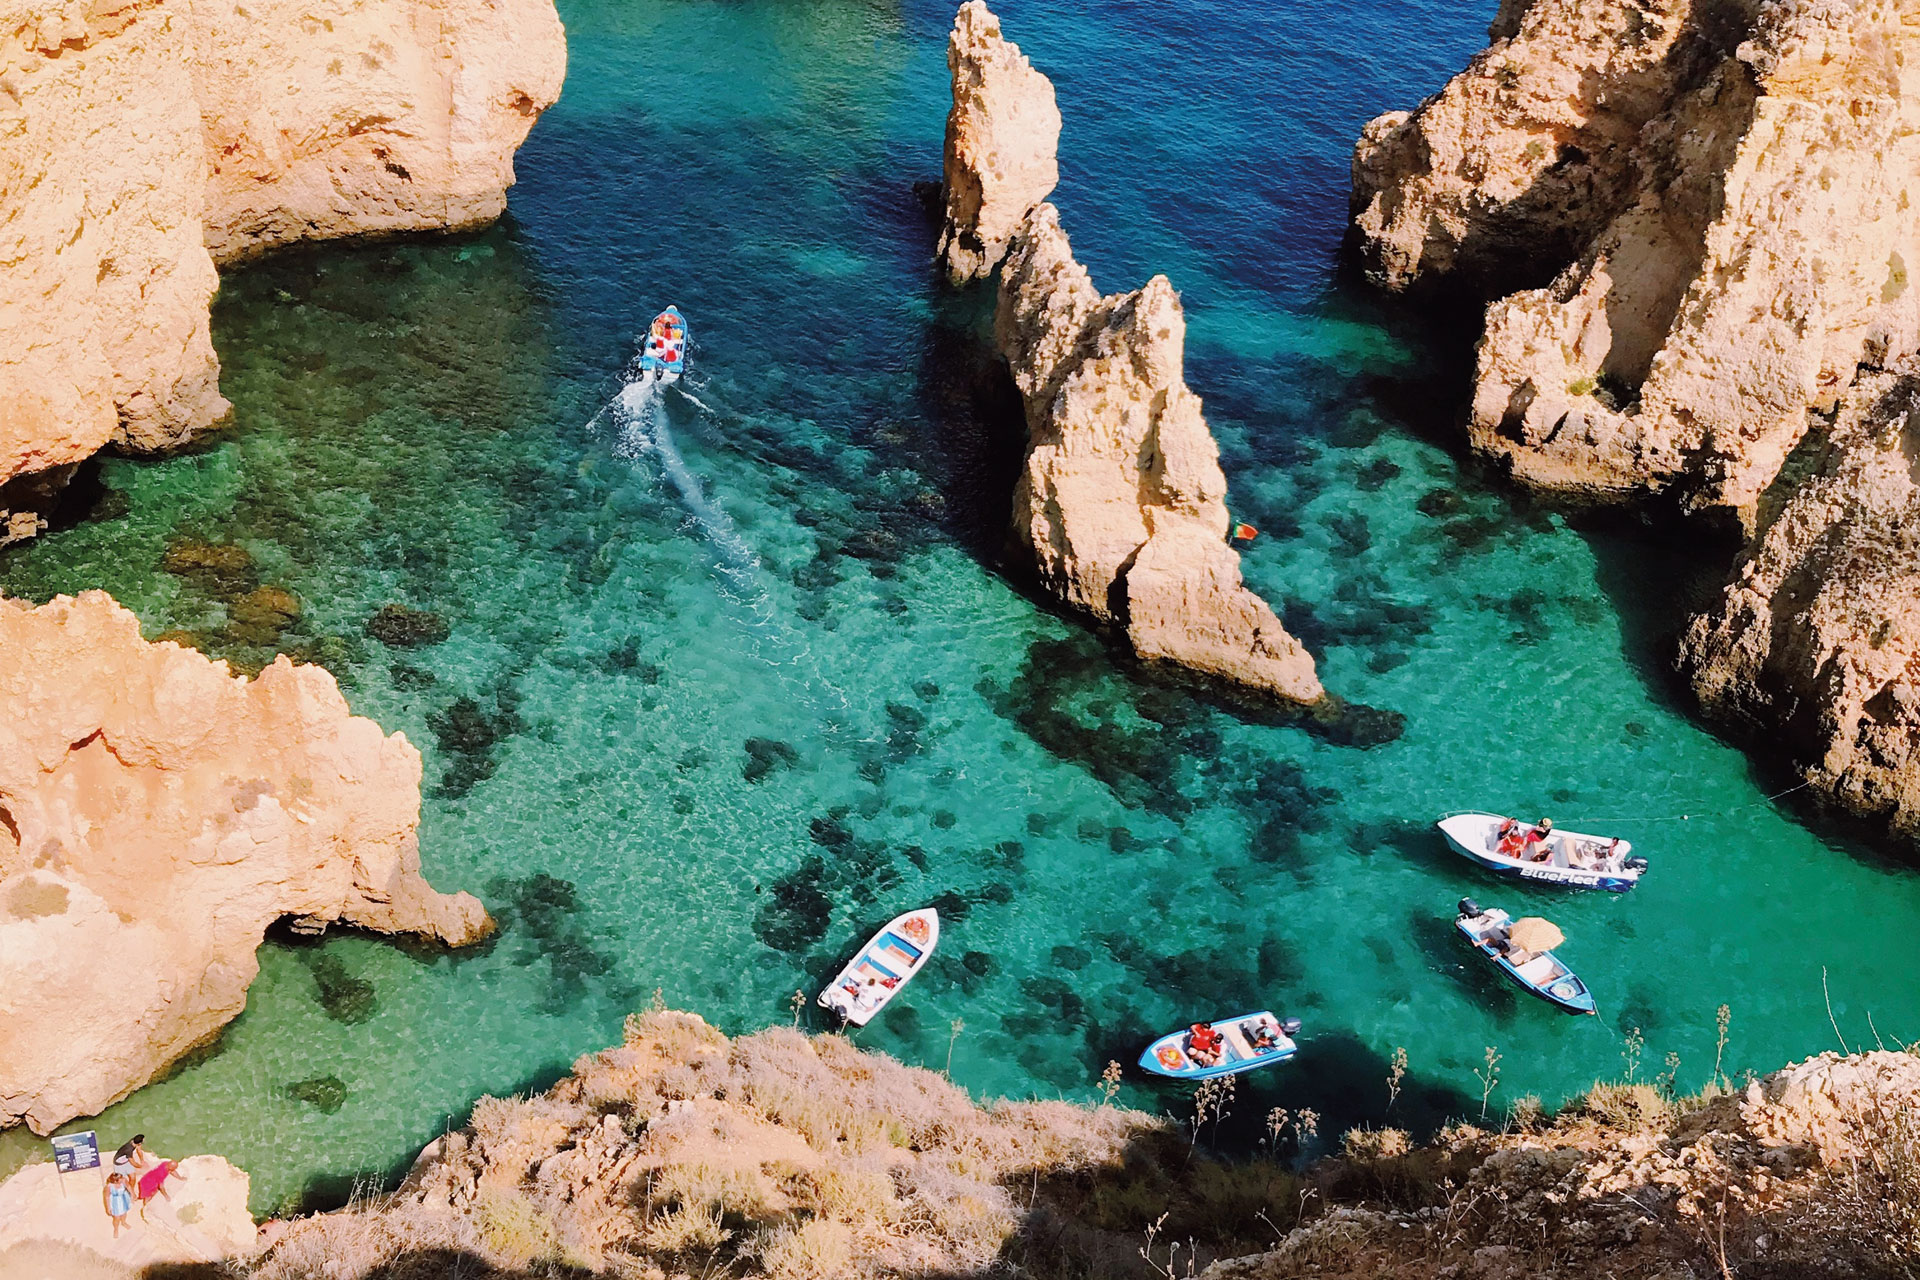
point(732, 680)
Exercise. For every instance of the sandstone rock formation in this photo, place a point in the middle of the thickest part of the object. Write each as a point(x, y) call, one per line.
point(1723, 191)
point(156, 815)
point(141, 141)
point(53, 1228)
point(1001, 136)
point(1121, 499)
point(1817, 636)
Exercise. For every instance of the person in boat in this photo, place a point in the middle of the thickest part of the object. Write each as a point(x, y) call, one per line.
point(1510, 841)
point(1263, 1036)
point(1204, 1044)
point(1538, 848)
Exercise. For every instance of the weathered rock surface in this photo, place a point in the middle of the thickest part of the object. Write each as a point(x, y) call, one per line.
point(343, 118)
point(156, 815)
point(1817, 637)
point(55, 1229)
point(141, 141)
point(1785, 1179)
point(103, 313)
point(1001, 136)
point(1121, 498)
point(1723, 191)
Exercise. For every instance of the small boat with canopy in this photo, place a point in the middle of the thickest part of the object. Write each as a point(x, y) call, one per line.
point(874, 976)
point(1523, 950)
point(1224, 1047)
point(1538, 853)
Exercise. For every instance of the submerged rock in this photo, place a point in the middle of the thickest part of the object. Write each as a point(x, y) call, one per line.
point(1121, 499)
point(1816, 639)
point(1001, 136)
point(1722, 193)
point(398, 625)
point(156, 815)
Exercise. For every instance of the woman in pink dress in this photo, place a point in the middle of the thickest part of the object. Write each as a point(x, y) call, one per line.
point(154, 1182)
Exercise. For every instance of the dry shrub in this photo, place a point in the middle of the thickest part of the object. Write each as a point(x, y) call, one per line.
point(687, 1231)
point(853, 1194)
point(816, 1250)
point(514, 1230)
point(1633, 1107)
point(1872, 1199)
point(1375, 1144)
point(729, 1192)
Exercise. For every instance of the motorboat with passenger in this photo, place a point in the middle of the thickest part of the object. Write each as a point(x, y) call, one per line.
point(1509, 847)
point(1523, 950)
point(882, 967)
point(664, 352)
point(1224, 1047)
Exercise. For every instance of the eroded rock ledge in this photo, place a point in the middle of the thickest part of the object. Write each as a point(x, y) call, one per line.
point(1121, 498)
point(1723, 192)
point(142, 141)
point(156, 815)
point(1817, 636)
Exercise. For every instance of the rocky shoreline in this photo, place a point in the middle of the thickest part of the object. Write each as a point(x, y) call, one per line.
point(156, 808)
point(1692, 224)
point(143, 142)
point(683, 1153)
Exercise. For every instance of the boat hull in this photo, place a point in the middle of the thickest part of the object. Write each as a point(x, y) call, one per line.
point(1469, 834)
point(1565, 992)
point(1168, 1057)
point(881, 969)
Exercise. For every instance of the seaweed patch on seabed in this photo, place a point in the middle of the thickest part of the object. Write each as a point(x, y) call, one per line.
point(543, 913)
point(345, 997)
point(468, 733)
point(1138, 766)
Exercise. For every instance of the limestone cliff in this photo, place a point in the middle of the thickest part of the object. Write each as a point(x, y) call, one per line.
point(1121, 498)
point(1001, 136)
point(1817, 637)
point(141, 141)
point(161, 812)
point(1723, 192)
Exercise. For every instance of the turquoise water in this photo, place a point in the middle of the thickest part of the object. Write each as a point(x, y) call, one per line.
point(730, 681)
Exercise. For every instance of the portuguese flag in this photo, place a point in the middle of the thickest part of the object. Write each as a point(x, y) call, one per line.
point(1243, 533)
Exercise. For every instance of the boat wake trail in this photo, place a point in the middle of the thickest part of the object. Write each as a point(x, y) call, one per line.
point(641, 421)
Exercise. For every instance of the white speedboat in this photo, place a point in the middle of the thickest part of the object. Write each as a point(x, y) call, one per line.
point(1563, 858)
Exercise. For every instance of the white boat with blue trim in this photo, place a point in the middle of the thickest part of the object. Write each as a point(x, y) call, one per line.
point(1228, 1047)
point(664, 351)
point(1537, 853)
point(876, 975)
point(1491, 931)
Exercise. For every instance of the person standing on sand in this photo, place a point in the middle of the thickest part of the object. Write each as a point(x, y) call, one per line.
point(117, 1196)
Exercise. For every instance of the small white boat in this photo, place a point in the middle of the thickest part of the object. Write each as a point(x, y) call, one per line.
point(1492, 933)
point(1246, 1041)
point(884, 965)
point(1573, 860)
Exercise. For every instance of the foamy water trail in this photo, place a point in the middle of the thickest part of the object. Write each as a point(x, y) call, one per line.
point(641, 419)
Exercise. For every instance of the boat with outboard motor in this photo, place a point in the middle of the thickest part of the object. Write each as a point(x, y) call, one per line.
point(1503, 845)
point(1227, 1047)
point(874, 976)
point(1499, 938)
point(665, 349)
